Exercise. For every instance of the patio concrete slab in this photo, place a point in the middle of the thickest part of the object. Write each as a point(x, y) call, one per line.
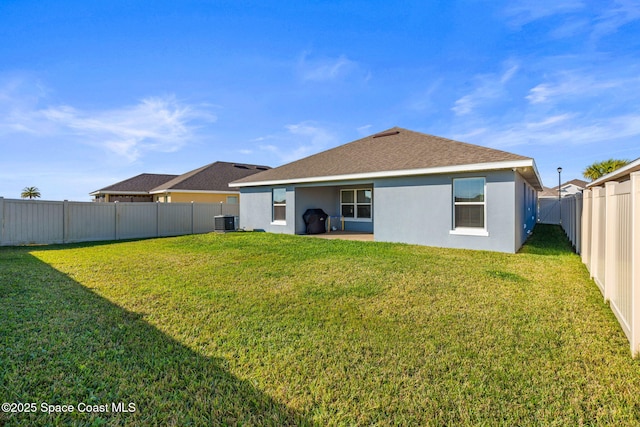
point(344, 235)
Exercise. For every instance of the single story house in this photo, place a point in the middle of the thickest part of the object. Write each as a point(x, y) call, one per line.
point(402, 186)
point(207, 184)
point(134, 189)
point(569, 188)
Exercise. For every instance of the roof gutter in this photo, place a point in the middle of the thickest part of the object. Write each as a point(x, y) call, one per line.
point(515, 164)
point(169, 190)
point(125, 193)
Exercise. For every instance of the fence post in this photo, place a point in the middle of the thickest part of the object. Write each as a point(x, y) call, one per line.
point(117, 220)
point(578, 223)
point(610, 237)
point(585, 242)
point(1, 220)
point(597, 234)
point(635, 264)
point(65, 221)
point(193, 220)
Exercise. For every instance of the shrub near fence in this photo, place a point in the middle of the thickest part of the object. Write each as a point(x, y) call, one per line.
point(46, 222)
point(611, 249)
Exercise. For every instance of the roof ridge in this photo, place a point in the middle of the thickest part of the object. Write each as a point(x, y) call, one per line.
point(392, 149)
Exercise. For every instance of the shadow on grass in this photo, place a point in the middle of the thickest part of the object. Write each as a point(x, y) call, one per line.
point(547, 239)
point(61, 344)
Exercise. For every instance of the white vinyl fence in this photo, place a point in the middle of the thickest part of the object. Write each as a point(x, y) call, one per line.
point(25, 222)
point(571, 212)
point(611, 249)
point(548, 210)
point(567, 213)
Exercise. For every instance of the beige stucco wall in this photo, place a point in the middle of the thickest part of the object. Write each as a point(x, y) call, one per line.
point(194, 197)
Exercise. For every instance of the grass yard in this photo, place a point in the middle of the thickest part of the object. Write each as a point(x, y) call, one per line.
point(264, 329)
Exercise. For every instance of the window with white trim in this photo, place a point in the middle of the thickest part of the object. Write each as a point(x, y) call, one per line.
point(469, 203)
point(232, 200)
point(356, 203)
point(279, 198)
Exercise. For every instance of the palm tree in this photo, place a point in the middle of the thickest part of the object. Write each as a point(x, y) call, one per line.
point(30, 193)
point(598, 169)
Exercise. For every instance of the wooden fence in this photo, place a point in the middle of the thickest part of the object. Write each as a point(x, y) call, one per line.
point(24, 222)
point(611, 249)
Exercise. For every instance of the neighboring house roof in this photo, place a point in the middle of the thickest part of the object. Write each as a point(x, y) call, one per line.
point(549, 192)
point(576, 184)
point(212, 177)
point(394, 152)
point(621, 174)
point(139, 184)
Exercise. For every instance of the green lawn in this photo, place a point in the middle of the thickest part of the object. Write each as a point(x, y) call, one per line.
point(263, 329)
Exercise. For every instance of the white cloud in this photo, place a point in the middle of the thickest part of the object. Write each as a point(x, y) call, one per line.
point(154, 124)
point(324, 69)
point(611, 19)
point(572, 27)
point(563, 129)
point(488, 87)
point(598, 20)
point(424, 100)
point(522, 12)
point(298, 141)
point(548, 121)
point(464, 105)
point(575, 85)
point(364, 130)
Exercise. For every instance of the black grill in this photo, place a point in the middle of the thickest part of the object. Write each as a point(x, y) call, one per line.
point(315, 220)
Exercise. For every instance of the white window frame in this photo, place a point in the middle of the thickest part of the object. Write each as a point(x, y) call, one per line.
point(235, 199)
point(275, 221)
point(469, 231)
point(355, 204)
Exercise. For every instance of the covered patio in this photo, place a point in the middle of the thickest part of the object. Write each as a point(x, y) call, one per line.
point(349, 207)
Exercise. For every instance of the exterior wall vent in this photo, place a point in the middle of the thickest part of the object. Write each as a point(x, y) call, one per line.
point(380, 135)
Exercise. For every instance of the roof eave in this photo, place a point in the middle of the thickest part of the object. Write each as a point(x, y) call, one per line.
point(510, 164)
point(172, 190)
point(126, 193)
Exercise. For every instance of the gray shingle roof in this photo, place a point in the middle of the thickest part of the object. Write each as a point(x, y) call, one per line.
point(142, 183)
point(395, 149)
point(553, 191)
point(212, 177)
point(577, 182)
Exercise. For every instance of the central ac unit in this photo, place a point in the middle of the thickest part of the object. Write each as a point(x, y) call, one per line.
point(223, 223)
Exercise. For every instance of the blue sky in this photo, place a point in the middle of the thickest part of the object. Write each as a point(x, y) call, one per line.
point(93, 92)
